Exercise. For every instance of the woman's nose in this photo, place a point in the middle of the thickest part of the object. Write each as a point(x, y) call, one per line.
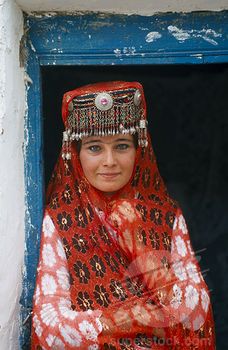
point(109, 158)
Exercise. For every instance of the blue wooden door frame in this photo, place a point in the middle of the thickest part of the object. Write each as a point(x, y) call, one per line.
point(100, 39)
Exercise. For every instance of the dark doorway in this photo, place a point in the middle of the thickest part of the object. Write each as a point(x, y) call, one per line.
point(187, 113)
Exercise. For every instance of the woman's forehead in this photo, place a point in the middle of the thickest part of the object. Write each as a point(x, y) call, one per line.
point(108, 139)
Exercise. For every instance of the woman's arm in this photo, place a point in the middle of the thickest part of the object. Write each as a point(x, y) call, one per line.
point(55, 323)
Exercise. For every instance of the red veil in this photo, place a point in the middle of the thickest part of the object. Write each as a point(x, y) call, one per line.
point(129, 260)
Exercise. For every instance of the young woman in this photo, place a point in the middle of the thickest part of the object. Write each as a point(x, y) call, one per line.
point(116, 269)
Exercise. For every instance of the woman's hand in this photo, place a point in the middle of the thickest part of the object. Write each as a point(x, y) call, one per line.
point(107, 325)
point(119, 321)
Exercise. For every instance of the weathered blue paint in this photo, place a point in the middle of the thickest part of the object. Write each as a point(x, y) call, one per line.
point(169, 38)
point(34, 192)
point(97, 39)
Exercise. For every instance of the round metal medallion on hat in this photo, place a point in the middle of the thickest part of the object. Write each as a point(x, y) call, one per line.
point(137, 97)
point(103, 101)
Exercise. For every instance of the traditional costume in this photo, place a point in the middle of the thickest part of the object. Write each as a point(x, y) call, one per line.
point(126, 258)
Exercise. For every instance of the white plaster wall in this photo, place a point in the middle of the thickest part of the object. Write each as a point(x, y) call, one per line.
point(12, 108)
point(142, 7)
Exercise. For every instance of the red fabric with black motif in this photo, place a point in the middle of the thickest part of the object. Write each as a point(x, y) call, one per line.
point(130, 257)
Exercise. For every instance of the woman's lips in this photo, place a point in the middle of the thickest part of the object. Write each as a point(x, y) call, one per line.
point(109, 175)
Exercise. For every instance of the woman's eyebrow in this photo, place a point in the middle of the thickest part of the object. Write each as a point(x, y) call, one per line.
point(100, 141)
point(123, 140)
point(92, 141)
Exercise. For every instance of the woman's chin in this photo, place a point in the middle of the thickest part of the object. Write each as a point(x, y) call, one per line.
point(109, 189)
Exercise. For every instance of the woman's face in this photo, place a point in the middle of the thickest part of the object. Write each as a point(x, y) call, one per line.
point(108, 161)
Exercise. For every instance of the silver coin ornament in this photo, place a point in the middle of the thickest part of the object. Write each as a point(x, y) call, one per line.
point(103, 101)
point(70, 106)
point(137, 98)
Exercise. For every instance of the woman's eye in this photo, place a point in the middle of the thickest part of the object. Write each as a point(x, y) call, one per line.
point(94, 148)
point(122, 146)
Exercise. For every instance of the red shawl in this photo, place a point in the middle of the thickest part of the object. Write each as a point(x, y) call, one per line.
point(130, 257)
